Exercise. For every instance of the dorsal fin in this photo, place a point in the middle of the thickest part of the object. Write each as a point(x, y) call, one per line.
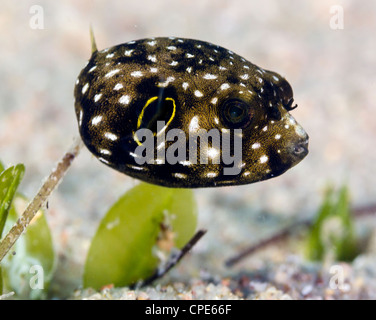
point(92, 39)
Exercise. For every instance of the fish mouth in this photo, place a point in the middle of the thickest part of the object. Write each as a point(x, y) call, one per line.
point(300, 150)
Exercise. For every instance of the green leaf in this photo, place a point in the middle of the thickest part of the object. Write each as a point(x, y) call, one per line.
point(333, 231)
point(9, 181)
point(28, 272)
point(346, 245)
point(122, 250)
point(315, 248)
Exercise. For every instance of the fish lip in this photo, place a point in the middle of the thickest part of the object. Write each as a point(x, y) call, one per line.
point(301, 149)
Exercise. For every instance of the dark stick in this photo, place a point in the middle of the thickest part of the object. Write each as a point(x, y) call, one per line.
point(286, 232)
point(263, 243)
point(173, 260)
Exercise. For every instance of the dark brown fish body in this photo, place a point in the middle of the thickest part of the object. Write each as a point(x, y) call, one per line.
point(193, 86)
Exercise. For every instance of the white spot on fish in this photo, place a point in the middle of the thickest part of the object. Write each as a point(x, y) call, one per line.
point(211, 174)
point(225, 86)
point(125, 99)
point(136, 167)
point(198, 94)
point(105, 151)
point(214, 101)
point(136, 74)
point(277, 136)
point(185, 163)
point(213, 153)
point(189, 55)
point(245, 76)
point(103, 160)
point(166, 83)
point(80, 116)
point(189, 69)
point(264, 159)
point(152, 43)
point(180, 175)
point(118, 86)
point(85, 87)
point(110, 55)
point(92, 69)
point(210, 76)
point(154, 70)
point(173, 48)
point(256, 145)
point(111, 73)
point(111, 136)
point(152, 58)
point(185, 85)
point(97, 97)
point(174, 63)
point(193, 125)
point(128, 53)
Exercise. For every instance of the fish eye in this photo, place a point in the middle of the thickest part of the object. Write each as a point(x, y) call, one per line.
point(237, 113)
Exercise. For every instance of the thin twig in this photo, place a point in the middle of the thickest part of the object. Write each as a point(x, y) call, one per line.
point(364, 211)
point(173, 261)
point(265, 242)
point(286, 232)
point(44, 192)
point(6, 295)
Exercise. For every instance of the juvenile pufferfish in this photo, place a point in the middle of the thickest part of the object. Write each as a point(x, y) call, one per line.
point(190, 85)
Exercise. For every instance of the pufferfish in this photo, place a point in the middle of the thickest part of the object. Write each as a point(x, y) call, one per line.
point(233, 109)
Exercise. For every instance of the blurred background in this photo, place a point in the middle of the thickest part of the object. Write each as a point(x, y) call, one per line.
point(331, 70)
